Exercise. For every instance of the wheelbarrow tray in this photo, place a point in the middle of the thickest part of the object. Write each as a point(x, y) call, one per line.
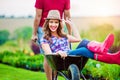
point(60, 64)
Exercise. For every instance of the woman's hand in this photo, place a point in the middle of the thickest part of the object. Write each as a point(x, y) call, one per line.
point(68, 21)
point(75, 36)
point(62, 54)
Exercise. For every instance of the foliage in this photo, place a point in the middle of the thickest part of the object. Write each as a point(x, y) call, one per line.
point(21, 59)
point(93, 68)
point(102, 70)
point(116, 45)
point(99, 69)
point(24, 33)
point(97, 32)
point(11, 43)
point(4, 36)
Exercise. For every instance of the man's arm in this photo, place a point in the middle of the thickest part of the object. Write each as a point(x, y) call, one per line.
point(37, 19)
point(67, 16)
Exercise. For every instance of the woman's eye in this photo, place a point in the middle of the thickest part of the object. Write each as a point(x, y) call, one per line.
point(56, 22)
point(51, 22)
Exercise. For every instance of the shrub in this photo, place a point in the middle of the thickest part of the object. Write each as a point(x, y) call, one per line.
point(19, 59)
point(4, 36)
point(102, 70)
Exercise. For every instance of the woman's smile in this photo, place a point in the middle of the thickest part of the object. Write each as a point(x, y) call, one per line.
point(53, 25)
point(53, 28)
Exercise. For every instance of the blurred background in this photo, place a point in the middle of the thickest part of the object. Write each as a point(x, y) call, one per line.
point(83, 12)
point(95, 19)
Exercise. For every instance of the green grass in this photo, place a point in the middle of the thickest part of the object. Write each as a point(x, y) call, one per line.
point(12, 73)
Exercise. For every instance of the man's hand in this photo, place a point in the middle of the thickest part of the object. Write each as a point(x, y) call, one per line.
point(34, 38)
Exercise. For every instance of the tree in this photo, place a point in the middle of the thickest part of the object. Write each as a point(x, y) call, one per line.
point(24, 33)
point(4, 36)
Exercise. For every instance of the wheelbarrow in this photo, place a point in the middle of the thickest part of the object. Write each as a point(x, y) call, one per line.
point(69, 68)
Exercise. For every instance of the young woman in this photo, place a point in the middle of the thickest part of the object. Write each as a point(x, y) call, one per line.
point(55, 41)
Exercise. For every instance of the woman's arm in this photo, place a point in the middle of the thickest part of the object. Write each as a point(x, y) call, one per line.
point(46, 48)
point(76, 36)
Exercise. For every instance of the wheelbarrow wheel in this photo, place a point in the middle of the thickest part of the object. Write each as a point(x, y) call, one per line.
point(73, 72)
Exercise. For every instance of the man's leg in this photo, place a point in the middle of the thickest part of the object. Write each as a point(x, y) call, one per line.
point(40, 35)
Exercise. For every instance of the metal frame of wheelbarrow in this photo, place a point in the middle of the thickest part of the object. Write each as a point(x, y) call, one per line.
point(70, 67)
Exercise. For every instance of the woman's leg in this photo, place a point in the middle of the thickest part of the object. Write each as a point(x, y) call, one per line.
point(101, 48)
point(97, 47)
point(83, 43)
point(111, 58)
point(82, 52)
point(48, 70)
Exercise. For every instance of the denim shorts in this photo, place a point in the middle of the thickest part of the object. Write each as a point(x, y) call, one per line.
point(40, 35)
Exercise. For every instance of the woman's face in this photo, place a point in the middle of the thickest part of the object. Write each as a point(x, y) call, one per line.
point(53, 24)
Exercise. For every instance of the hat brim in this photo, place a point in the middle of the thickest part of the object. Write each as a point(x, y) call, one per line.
point(52, 18)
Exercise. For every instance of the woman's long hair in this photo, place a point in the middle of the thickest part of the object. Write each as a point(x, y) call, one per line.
point(47, 32)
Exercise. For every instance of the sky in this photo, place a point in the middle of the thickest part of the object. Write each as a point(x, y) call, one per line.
point(78, 7)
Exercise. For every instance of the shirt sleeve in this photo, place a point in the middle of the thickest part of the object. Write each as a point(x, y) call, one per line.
point(39, 4)
point(67, 5)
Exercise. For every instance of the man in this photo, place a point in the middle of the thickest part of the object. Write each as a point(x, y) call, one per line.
point(42, 9)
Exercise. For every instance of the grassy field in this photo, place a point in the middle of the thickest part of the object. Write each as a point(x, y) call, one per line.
point(12, 73)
